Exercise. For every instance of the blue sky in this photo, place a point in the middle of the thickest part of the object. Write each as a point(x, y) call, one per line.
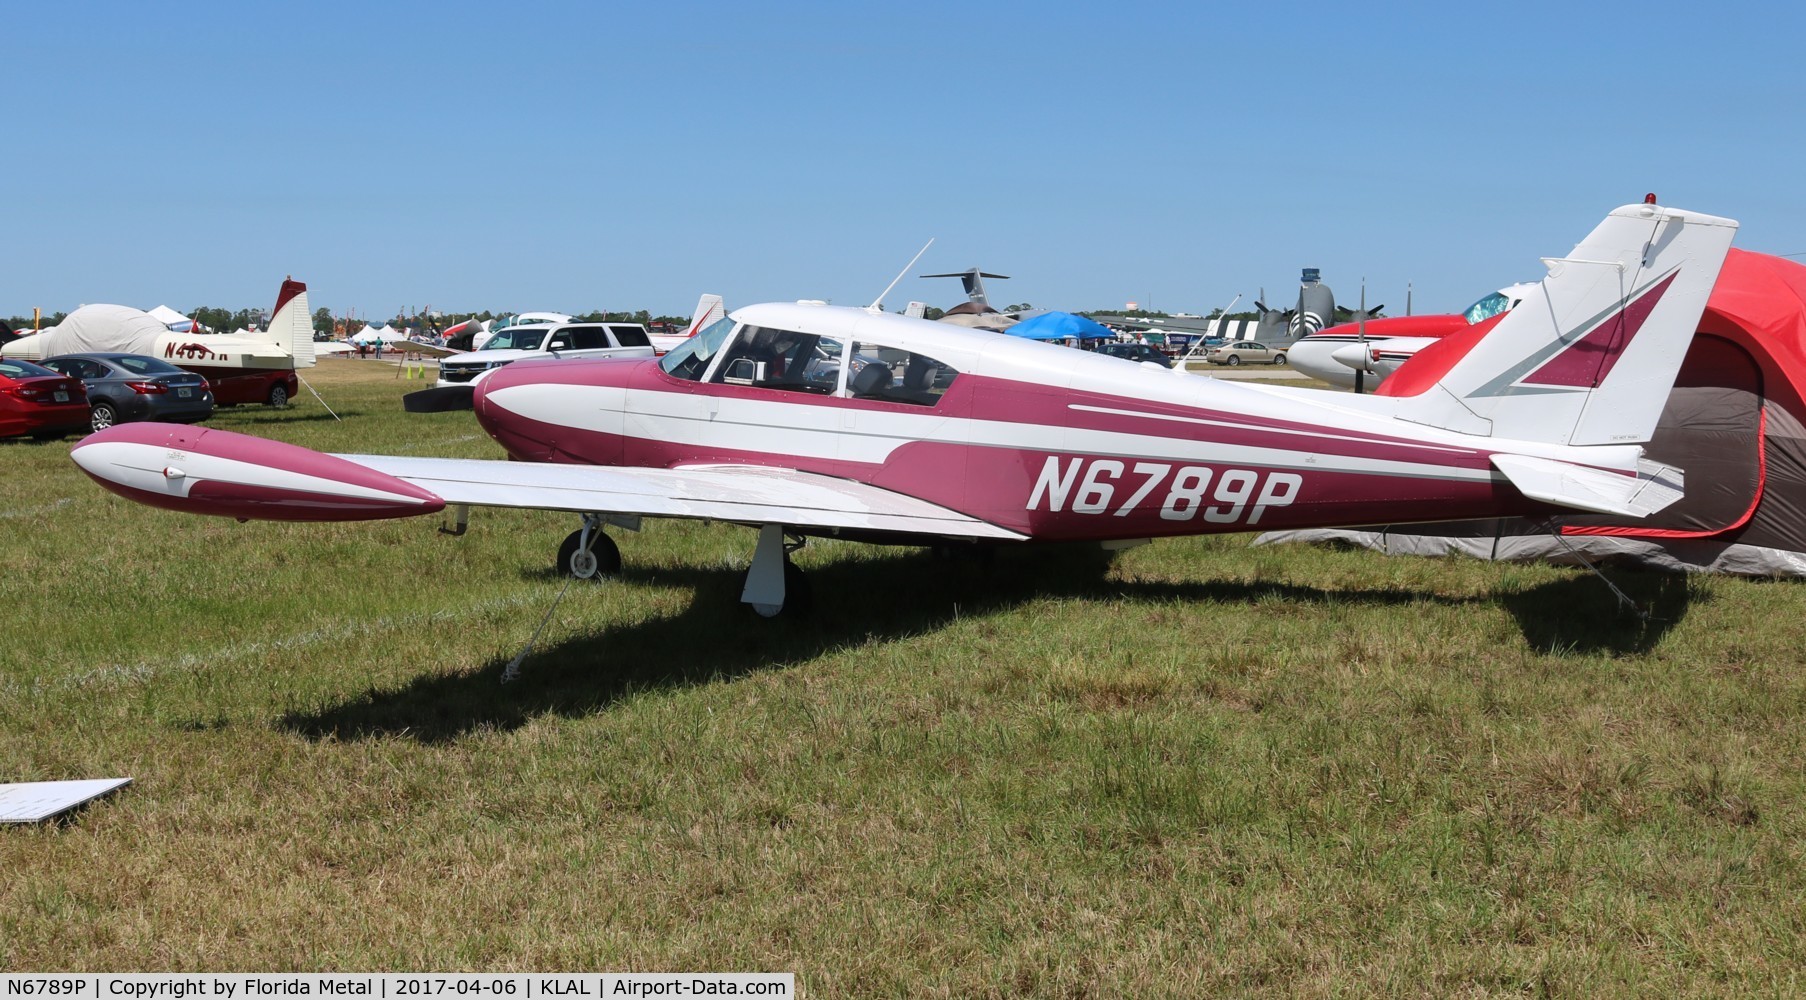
point(582, 156)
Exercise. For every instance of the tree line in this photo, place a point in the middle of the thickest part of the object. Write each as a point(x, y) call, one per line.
point(325, 324)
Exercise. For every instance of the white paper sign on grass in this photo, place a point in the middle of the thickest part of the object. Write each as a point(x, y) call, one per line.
point(36, 801)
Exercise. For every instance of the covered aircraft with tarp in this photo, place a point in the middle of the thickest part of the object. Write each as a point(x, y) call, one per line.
point(247, 366)
point(1735, 422)
point(174, 320)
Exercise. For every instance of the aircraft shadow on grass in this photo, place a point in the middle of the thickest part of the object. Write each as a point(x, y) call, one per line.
point(1580, 616)
point(257, 417)
point(890, 599)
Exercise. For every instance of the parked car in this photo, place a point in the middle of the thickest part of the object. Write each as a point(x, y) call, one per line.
point(126, 387)
point(537, 341)
point(38, 401)
point(1136, 352)
point(480, 338)
point(1245, 352)
point(272, 386)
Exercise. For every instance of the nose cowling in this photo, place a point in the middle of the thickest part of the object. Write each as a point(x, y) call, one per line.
point(556, 411)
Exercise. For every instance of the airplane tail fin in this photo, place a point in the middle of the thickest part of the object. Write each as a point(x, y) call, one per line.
point(1589, 356)
point(708, 310)
point(292, 325)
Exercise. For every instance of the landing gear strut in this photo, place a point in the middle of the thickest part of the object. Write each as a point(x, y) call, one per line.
point(774, 586)
point(588, 553)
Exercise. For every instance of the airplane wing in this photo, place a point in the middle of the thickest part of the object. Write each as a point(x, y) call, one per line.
point(416, 347)
point(205, 470)
point(739, 493)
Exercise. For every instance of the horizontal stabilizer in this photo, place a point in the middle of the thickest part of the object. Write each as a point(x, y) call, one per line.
point(1654, 487)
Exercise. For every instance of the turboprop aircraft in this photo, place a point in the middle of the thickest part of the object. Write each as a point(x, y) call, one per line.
point(810, 420)
point(1361, 354)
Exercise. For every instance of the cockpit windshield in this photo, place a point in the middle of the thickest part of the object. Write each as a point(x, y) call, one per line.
point(1486, 308)
point(690, 359)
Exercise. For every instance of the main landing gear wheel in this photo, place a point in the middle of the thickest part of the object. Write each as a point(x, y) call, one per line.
point(603, 559)
point(775, 588)
point(799, 595)
point(1233, 361)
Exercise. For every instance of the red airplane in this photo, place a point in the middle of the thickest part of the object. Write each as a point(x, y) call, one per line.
point(1361, 355)
point(805, 419)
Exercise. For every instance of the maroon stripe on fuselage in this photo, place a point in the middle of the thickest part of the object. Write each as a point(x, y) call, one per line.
point(1017, 402)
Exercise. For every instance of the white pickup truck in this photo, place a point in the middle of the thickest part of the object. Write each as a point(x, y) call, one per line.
point(534, 341)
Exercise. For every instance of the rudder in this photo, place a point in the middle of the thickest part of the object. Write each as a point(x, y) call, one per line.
point(1589, 356)
point(291, 325)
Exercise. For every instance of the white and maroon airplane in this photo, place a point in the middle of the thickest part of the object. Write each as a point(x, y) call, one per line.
point(804, 419)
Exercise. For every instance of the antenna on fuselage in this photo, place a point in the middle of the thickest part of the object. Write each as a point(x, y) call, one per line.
point(878, 303)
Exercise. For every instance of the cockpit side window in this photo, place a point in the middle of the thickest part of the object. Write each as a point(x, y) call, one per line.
point(893, 375)
point(771, 358)
point(690, 359)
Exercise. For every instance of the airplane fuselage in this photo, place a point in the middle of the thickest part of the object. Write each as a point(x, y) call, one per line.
point(1050, 462)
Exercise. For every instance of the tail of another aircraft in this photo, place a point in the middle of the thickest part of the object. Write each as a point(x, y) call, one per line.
point(1589, 356)
point(708, 310)
point(974, 281)
point(292, 325)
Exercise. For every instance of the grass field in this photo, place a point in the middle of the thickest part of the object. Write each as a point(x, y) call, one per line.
point(1203, 768)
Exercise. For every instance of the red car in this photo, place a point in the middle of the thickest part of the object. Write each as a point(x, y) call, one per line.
point(37, 401)
point(275, 386)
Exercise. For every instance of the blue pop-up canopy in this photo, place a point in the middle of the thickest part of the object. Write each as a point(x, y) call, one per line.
point(1059, 326)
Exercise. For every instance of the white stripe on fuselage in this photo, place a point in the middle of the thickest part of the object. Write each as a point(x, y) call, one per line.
point(1323, 435)
point(806, 429)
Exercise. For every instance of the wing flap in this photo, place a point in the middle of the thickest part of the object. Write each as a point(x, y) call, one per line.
point(745, 494)
point(1654, 487)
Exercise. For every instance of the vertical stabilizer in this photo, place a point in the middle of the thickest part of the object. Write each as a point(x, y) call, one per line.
point(708, 310)
point(292, 325)
point(1589, 356)
point(974, 281)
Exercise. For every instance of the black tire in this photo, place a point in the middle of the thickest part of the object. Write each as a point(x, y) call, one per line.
point(799, 595)
point(102, 416)
point(1279, 360)
point(607, 553)
point(1234, 359)
point(278, 395)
